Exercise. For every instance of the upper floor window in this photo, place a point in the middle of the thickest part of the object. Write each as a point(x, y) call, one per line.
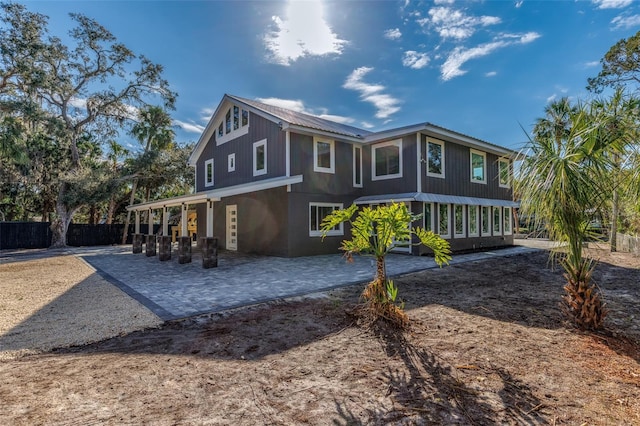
point(357, 166)
point(435, 158)
point(317, 212)
point(231, 162)
point(208, 172)
point(235, 123)
point(386, 160)
point(478, 167)
point(260, 157)
point(504, 174)
point(324, 154)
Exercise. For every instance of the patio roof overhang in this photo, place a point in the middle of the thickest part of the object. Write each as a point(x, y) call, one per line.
point(218, 194)
point(435, 198)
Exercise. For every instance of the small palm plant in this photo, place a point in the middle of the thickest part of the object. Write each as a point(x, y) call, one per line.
point(375, 232)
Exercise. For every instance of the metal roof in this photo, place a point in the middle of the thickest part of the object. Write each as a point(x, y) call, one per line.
point(435, 198)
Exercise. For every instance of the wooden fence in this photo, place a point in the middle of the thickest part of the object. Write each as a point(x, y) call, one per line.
point(26, 235)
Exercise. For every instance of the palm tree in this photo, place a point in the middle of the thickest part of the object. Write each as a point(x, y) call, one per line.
point(153, 131)
point(561, 182)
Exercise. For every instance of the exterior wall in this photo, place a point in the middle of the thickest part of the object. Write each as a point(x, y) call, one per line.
point(457, 180)
point(259, 128)
point(408, 181)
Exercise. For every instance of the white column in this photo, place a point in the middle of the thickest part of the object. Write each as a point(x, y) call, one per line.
point(183, 220)
point(150, 221)
point(209, 218)
point(419, 164)
point(165, 221)
point(137, 226)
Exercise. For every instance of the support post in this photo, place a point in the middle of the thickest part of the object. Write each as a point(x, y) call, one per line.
point(137, 226)
point(184, 217)
point(184, 249)
point(151, 238)
point(165, 248)
point(209, 252)
point(165, 221)
point(137, 243)
point(209, 219)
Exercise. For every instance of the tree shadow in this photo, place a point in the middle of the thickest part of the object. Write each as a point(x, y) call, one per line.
point(428, 391)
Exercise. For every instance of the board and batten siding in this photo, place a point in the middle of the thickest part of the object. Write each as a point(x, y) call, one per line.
point(457, 180)
point(259, 129)
point(406, 183)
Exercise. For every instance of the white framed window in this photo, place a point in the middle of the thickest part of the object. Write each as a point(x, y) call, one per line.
point(208, 172)
point(317, 212)
point(427, 217)
point(435, 158)
point(324, 155)
point(231, 162)
point(506, 217)
point(478, 161)
point(485, 221)
point(444, 224)
point(497, 220)
point(386, 161)
point(459, 221)
point(234, 124)
point(504, 173)
point(357, 166)
point(260, 157)
point(472, 213)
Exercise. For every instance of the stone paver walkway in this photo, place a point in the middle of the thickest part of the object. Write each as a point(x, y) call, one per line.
point(174, 291)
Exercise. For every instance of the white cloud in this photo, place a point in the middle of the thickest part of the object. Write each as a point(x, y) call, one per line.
point(298, 106)
point(591, 64)
point(551, 98)
point(367, 125)
point(415, 60)
point(206, 114)
point(443, 1)
point(491, 74)
point(303, 32)
point(460, 55)
point(393, 34)
point(385, 104)
point(189, 127)
point(518, 4)
point(612, 4)
point(450, 23)
point(625, 22)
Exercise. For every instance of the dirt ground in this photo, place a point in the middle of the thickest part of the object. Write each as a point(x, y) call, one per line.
point(487, 346)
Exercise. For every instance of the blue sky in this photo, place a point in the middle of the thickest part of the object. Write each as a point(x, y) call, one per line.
point(483, 68)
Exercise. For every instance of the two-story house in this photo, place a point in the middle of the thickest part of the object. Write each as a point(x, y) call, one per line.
point(267, 176)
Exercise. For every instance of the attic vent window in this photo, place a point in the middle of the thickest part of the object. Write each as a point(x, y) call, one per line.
point(232, 125)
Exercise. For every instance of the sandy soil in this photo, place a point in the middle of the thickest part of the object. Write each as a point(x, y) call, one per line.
point(488, 346)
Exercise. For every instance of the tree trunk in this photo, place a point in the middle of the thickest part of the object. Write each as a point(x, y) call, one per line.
point(61, 223)
point(111, 208)
point(125, 232)
point(381, 270)
point(614, 222)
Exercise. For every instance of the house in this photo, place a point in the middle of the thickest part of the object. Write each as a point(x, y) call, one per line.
point(266, 176)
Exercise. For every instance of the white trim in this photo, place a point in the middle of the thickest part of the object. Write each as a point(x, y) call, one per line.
point(357, 148)
point(464, 222)
point(508, 184)
point(442, 154)
point(256, 145)
point(374, 176)
point(448, 234)
point(493, 216)
point(432, 216)
point(287, 152)
point(318, 232)
point(477, 221)
point(232, 133)
point(418, 162)
point(484, 166)
point(332, 155)
point(207, 181)
point(489, 209)
point(507, 219)
point(231, 162)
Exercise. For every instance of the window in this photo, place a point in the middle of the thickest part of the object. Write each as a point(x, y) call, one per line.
point(260, 158)
point(234, 124)
point(506, 216)
point(231, 162)
point(324, 155)
point(208, 172)
point(486, 221)
point(427, 217)
point(317, 212)
point(458, 221)
point(497, 222)
point(443, 220)
point(387, 160)
point(435, 158)
point(473, 221)
point(478, 168)
point(504, 173)
point(357, 166)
